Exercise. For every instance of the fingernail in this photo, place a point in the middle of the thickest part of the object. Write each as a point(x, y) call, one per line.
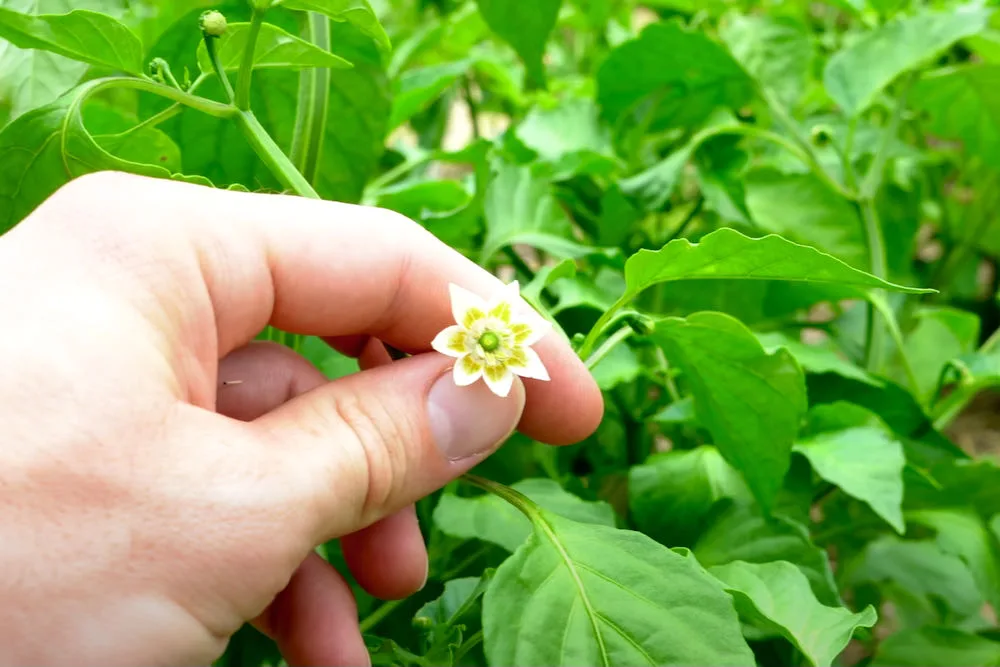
point(467, 421)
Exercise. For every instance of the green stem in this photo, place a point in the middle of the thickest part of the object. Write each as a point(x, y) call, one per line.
point(668, 378)
point(952, 406)
point(602, 323)
point(874, 338)
point(467, 646)
point(314, 101)
point(379, 615)
point(473, 107)
point(210, 107)
point(270, 154)
point(213, 56)
point(396, 172)
point(874, 335)
point(518, 263)
point(245, 75)
point(524, 504)
point(608, 345)
point(164, 115)
point(849, 176)
point(455, 571)
point(688, 219)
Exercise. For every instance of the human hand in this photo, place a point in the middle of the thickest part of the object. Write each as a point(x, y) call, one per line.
point(145, 511)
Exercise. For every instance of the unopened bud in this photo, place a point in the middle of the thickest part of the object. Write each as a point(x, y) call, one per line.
point(821, 135)
point(212, 23)
point(643, 325)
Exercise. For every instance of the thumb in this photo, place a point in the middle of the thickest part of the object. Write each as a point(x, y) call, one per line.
point(366, 445)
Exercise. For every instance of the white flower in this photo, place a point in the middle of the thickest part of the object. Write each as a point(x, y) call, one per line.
point(492, 339)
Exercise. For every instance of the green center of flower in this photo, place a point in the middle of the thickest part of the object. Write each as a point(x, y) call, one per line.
point(489, 341)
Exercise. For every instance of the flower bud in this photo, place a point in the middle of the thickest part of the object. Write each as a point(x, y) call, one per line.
point(643, 325)
point(821, 135)
point(212, 23)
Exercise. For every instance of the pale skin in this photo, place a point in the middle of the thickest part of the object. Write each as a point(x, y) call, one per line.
point(146, 509)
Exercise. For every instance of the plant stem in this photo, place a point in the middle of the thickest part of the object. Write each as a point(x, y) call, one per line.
point(467, 646)
point(518, 263)
point(210, 107)
point(396, 172)
point(849, 177)
point(213, 56)
point(313, 104)
point(245, 75)
point(164, 115)
point(524, 504)
point(602, 322)
point(270, 154)
point(473, 107)
point(608, 345)
point(874, 338)
point(874, 335)
point(379, 615)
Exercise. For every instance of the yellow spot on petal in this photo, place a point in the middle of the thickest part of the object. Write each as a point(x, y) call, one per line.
point(517, 358)
point(501, 311)
point(469, 364)
point(495, 372)
point(471, 315)
point(457, 342)
point(521, 332)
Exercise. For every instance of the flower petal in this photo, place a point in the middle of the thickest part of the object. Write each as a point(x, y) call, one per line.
point(462, 302)
point(528, 364)
point(467, 370)
point(451, 342)
point(530, 331)
point(499, 379)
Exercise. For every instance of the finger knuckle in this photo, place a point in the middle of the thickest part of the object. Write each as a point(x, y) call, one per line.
point(380, 436)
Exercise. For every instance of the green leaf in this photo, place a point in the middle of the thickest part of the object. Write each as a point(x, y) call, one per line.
point(937, 647)
point(526, 26)
point(356, 12)
point(964, 534)
point(671, 77)
point(30, 78)
point(919, 567)
point(521, 208)
point(742, 534)
point(963, 103)
point(83, 35)
point(445, 208)
point(779, 203)
point(777, 51)
point(857, 73)
point(654, 186)
point(592, 595)
point(777, 597)
point(571, 138)
point(491, 519)
point(47, 147)
point(275, 49)
point(671, 494)
point(416, 89)
point(620, 366)
point(750, 401)
point(727, 254)
point(457, 598)
point(857, 452)
point(941, 334)
point(821, 357)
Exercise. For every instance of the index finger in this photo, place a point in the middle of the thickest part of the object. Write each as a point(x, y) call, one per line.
point(329, 269)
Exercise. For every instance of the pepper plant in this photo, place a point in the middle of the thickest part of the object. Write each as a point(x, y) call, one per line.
point(768, 227)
